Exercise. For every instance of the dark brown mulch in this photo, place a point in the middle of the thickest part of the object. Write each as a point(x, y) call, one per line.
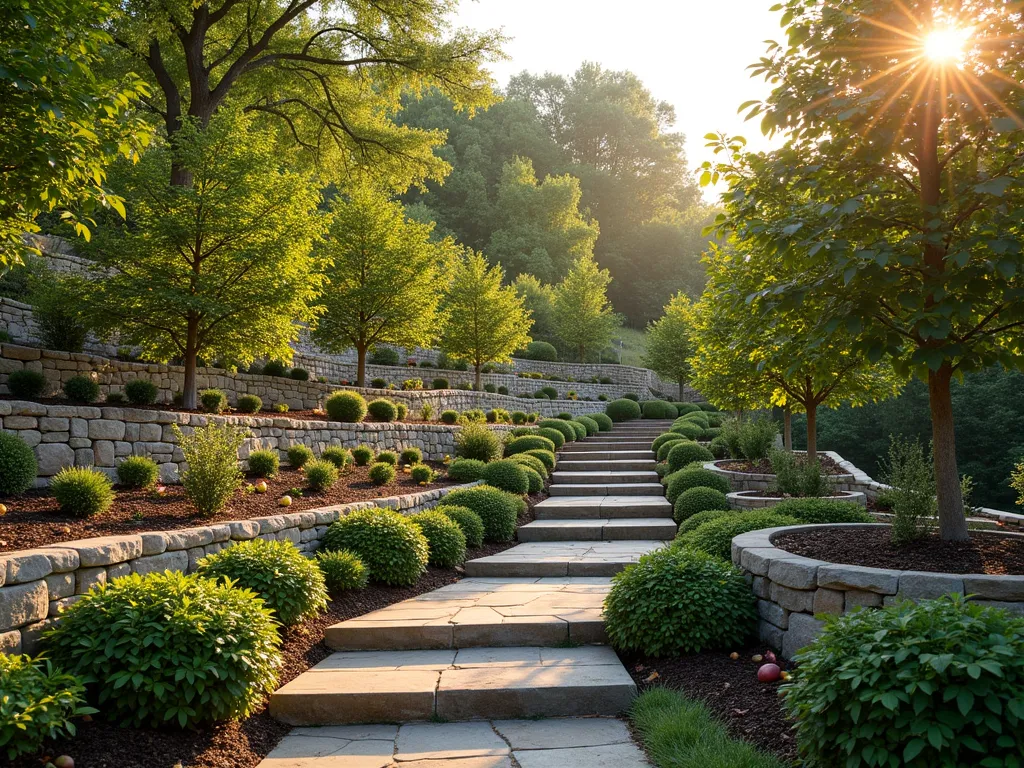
point(991, 553)
point(34, 518)
point(829, 466)
point(751, 710)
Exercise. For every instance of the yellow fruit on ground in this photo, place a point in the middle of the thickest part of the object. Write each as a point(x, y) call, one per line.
point(261, 486)
point(284, 501)
point(3, 509)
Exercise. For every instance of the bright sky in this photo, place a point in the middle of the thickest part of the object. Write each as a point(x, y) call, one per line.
point(690, 53)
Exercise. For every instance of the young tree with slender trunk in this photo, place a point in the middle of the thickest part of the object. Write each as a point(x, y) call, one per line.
point(584, 319)
point(669, 341)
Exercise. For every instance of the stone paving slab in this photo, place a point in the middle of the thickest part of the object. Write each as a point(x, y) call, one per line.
point(563, 558)
point(582, 507)
point(607, 465)
point(599, 529)
point(604, 477)
point(608, 489)
point(588, 454)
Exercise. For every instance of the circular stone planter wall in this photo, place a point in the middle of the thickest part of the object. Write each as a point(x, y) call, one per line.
point(754, 499)
point(792, 590)
point(752, 481)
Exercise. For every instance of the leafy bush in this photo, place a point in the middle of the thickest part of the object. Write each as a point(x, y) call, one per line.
point(911, 477)
point(539, 350)
point(658, 409)
point(497, 509)
point(693, 522)
point(299, 374)
point(549, 392)
point(476, 441)
point(422, 474)
point(663, 450)
point(320, 474)
point(81, 389)
point(384, 356)
point(39, 702)
point(362, 455)
point(445, 538)
point(468, 521)
point(299, 455)
point(474, 416)
point(797, 476)
point(449, 416)
point(382, 473)
point(411, 456)
point(82, 491)
point(819, 511)
point(382, 410)
point(518, 417)
point(388, 457)
point(756, 438)
point(604, 423)
point(666, 437)
point(939, 683)
point(213, 400)
point(581, 431)
point(554, 435)
point(543, 455)
point(439, 383)
point(715, 537)
point(390, 545)
point(684, 453)
point(338, 456)
point(170, 648)
point(697, 477)
point(115, 398)
point(528, 443)
point(466, 470)
point(688, 429)
point(275, 368)
point(719, 448)
point(17, 465)
point(532, 462)
point(137, 472)
point(588, 424)
point(213, 474)
point(535, 482)
point(623, 409)
point(696, 417)
point(401, 411)
point(26, 383)
point(568, 433)
point(674, 601)
point(264, 462)
point(506, 475)
point(699, 499)
point(290, 584)
point(348, 407)
point(281, 408)
point(249, 403)
point(378, 384)
point(342, 570)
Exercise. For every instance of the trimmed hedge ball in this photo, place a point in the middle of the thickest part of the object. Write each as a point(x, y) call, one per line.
point(604, 423)
point(665, 437)
point(695, 521)
point(543, 455)
point(529, 443)
point(445, 539)
point(249, 404)
point(338, 456)
point(719, 447)
point(697, 417)
point(532, 462)
point(390, 545)
point(468, 520)
point(686, 453)
point(348, 407)
point(137, 472)
point(82, 491)
point(382, 410)
point(688, 429)
point(362, 455)
point(264, 462)
point(693, 477)
point(321, 474)
point(422, 474)
point(449, 417)
point(299, 455)
point(623, 409)
point(684, 408)
point(715, 537)
point(562, 426)
point(342, 570)
point(498, 509)
point(382, 473)
point(535, 481)
point(699, 499)
point(466, 470)
point(554, 435)
point(658, 409)
point(411, 456)
point(506, 475)
point(663, 450)
point(588, 424)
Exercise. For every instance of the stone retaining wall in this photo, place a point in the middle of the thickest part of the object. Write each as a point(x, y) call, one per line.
point(36, 585)
point(743, 500)
point(793, 590)
point(750, 481)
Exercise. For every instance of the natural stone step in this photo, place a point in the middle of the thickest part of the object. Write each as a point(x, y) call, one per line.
point(565, 558)
point(603, 478)
point(607, 455)
point(600, 529)
point(609, 489)
point(620, 465)
point(628, 444)
point(590, 507)
point(403, 686)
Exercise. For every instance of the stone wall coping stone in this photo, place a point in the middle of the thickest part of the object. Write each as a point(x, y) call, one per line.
point(713, 466)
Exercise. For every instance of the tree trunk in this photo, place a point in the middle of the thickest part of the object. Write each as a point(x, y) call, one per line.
point(952, 523)
point(812, 432)
point(476, 380)
point(360, 365)
point(188, 392)
point(787, 428)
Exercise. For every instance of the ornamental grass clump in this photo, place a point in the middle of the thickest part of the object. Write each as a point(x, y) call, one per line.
point(445, 539)
point(82, 491)
point(468, 520)
point(290, 584)
point(213, 473)
point(342, 570)
point(390, 545)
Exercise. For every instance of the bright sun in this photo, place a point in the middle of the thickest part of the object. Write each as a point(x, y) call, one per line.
point(946, 44)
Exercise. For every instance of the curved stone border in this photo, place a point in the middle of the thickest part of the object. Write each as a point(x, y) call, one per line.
point(745, 499)
point(792, 590)
point(752, 481)
point(37, 584)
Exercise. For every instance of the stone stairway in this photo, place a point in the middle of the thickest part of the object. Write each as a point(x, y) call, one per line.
point(522, 635)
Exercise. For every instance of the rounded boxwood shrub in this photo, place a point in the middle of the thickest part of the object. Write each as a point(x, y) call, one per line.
point(522, 431)
point(665, 437)
point(581, 431)
point(719, 447)
point(17, 465)
point(697, 417)
point(673, 601)
point(466, 470)
point(445, 539)
point(264, 462)
point(249, 403)
point(348, 407)
point(534, 479)
point(422, 474)
point(320, 474)
point(213, 400)
point(562, 426)
point(529, 443)
point(543, 455)
point(170, 648)
point(695, 521)
point(688, 429)
point(532, 462)
point(604, 423)
point(137, 472)
point(824, 511)
point(497, 509)
point(382, 473)
point(390, 545)
point(382, 410)
point(623, 409)
point(388, 457)
point(684, 453)
point(411, 456)
point(588, 424)
point(518, 417)
point(299, 455)
point(81, 389)
point(378, 384)
point(476, 441)
point(342, 570)
point(935, 684)
point(468, 520)
point(694, 477)
point(549, 392)
point(666, 446)
point(658, 409)
point(275, 368)
point(338, 456)
point(299, 374)
point(506, 475)
point(439, 383)
point(715, 537)
point(699, 499)
point(540, 350)
point(82, 491)
point(449, 416)
point(684, 408)
point(26, 384)
point(362, 455)
point(554, 435)
point(290, 584)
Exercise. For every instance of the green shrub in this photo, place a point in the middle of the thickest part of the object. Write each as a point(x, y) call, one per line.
point(696, 477)
point(715, 537)
point(445, 539)
point(719, 447)
point(684, 408)
point(390, 545)
point(663, 450)
point(382, 473)
point(673, 601)
point(467, 520)
point(497, 509)
point(320, 474)
point(693, 522)
point(249, 404)
point(502, 390)
point(213, 474)
point(411, 456)
point(348, 407)
point(523, 431)
point(422, 474)
point(338, 456)
point(685, 453)
point(581, 431)
point(707, 407)
point(402, 410)
point(623, 409)
point(699, 499)
point(382, 410)
point(688, 429)
point(362, 455)
point(518, 417)
point(264, 462)
point(38, 703)
point(439, 383)
point(170, 649)
point(17, 465)
point(378, 384)
point(936, 684)
point(532, 462)
point(604, 423)
point(909, 471)
point(631, 396)
point(666, 437)
point(388, 457)
point(588, 424)
point(506, 475)
point(549, 392)
point(539, 350)
point(535, 482)
point(466, 470)
point(757, 436)
point(213, 400)
point(697, 417)
point(342, 570)
point(384, 356)
point(81, 389)
point(275, 368)
point(26, 384)
point(543, 455)
point(818, 511)
point(299, 455)
point(82, 491)
point(449, 416)
point(476, 441)
point(290, 584)
point(299, 374)
point(529, 443)
point(568, 433)
point(662, 469)
point(554, 435)
point(137, 472)
point(115, 398)
point(474, 416)
point(658, 409)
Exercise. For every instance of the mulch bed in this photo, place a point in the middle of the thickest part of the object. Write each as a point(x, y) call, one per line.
point(829, 466)
point(751, 710)
point(990, 553)
point(34, 518)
